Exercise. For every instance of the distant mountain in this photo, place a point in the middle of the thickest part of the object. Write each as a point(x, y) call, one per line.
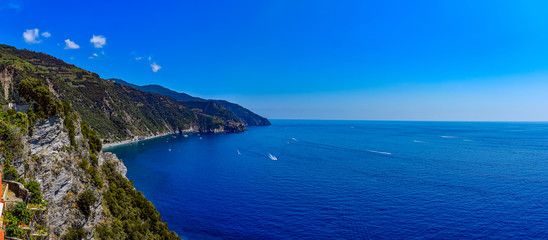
point(159, 90)
point(248, 117)
point(115, 111)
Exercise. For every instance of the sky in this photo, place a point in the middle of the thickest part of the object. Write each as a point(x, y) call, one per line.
point(298, 59)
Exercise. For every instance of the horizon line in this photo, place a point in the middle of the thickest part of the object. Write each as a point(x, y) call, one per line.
point(373, 120)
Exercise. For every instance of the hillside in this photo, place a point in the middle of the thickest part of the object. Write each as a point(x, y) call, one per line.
point(248, 117)
point(114, 110)
point(57, 173)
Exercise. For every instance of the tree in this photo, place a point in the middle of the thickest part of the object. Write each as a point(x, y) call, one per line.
point(34, 188)
point(85, 200)
point(33, 90)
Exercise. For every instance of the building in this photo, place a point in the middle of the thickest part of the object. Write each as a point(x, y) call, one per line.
point(16, 107)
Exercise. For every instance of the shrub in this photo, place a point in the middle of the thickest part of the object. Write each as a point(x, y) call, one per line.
point(9, 172)
point(22, 213)
point(34, 188)
point(93, 159)
point(75, 234)
point(33, 90)
point(69, 126)
point(14, 231)
point(84, 164)
point(85, 200)
point(66, 109)
point(97, 180)
point(95, 144)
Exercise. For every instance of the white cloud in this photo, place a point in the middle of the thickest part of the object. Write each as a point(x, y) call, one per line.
point(98, 41)
point(70, 44)
point(31, 36)
point(46, 34)
point(155, 67)
point(138, 58)
point(94, 55)
point(149, 58)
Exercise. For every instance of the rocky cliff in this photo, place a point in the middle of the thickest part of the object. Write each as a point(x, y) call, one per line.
point(65, 171)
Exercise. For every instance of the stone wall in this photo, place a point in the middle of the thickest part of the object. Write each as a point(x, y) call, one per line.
point(19, 190)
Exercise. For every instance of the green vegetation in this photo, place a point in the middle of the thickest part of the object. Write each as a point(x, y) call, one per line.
point(241, 113)
point(75, 234)
point(69, 123)
point(33, 90)
point(15, 231)
point(22, 213)
point(92, 170)
point(95, 177)
point(34, 188)
point(94, 141)
point(9, 172)
point(11, 134)
point(114, 111)
point(13, 218)
point(93, 159)
point(134, 216)
point(85, 200)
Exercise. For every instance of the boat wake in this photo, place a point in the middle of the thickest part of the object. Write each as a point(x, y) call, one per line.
point(272, 157)
point(373, 151)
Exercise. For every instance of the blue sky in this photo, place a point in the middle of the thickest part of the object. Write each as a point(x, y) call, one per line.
point(376, 60)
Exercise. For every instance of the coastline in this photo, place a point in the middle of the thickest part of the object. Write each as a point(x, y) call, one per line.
point(134, 140)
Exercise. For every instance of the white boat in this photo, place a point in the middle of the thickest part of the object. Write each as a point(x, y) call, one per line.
point(186, 135)
point(239, 153)
point(272, 157)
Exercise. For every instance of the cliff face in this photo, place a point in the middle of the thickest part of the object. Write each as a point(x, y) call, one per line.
point(87, 193)
point(50, 160)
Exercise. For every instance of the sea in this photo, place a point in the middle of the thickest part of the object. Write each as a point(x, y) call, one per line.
point(312, 179)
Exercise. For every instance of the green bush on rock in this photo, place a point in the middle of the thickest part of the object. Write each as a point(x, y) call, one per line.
point(85, 200)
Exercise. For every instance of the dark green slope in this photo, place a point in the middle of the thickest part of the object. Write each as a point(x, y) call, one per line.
point(115, 111)
point(247, 116)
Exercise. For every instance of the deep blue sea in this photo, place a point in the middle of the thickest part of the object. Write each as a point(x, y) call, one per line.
point(350, 180)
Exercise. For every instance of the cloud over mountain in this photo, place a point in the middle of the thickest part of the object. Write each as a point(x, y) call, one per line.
point(31, 36)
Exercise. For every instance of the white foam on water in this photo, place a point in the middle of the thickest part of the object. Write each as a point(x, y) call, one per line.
point(448, 137)
point(385, 153)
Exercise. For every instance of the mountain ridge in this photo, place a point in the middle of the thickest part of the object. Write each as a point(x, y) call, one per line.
point(248, 117)
point(115, 111)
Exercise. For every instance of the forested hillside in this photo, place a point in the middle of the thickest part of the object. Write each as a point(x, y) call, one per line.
point(245, 115)
point(114, 110)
